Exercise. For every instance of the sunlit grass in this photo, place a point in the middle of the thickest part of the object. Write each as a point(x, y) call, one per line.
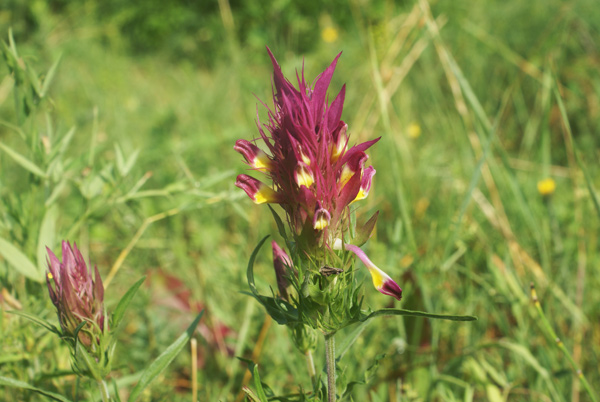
point(478, 104)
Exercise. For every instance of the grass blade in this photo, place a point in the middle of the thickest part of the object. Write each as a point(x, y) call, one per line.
point(36, 320)
point(46, 236)
point(19, 261)
point(124, 303)
point(23, 161)
point(411, 313)
point(10, 382)
point(163, 360)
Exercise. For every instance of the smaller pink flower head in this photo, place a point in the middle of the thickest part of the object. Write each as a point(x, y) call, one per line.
point(77, 295)
point(283, 267)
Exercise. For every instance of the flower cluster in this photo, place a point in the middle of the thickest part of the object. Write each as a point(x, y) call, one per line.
point(77, 296)
point(316, 174)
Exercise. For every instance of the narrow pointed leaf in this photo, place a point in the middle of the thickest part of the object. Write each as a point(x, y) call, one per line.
point(344, 345)
point(18, 260)
point(281, 311)
point(34, 80)
point(89, 361)
point(162, 361)
point(23, 161)
point(258, 385)
point(46, 237)
point(124, 303)
point(411, 313)
point(279, 222)
point(11, 382)
point(364, 233)
point(250, 270)
point(66, 140)
point(36, 320)
point(116, 391)
point(49, 77)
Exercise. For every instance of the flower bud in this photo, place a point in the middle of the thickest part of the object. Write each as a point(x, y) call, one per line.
point(77, 296)
point(321, 218)
point(283, 266)
point(303, 175)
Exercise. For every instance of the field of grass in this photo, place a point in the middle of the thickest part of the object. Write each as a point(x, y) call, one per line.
point(128, 151)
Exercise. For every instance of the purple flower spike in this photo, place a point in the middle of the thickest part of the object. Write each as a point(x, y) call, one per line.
point(77, 295)
point(381, 280)
point(308, 158)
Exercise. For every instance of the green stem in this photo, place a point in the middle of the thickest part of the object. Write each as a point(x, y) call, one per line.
point(310, 364)
point(561, 345)
point(104, 391)
point(330, 358)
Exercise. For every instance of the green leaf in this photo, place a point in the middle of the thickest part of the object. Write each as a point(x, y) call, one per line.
point(278, 221)
point(527, 356)
point(49, 77)
point(56, 192)
point(162, 361)
point(250, 270)
point(411, 313)
point(124, 303)
point(23, 161)
point(258, 385)
point(586, 175)
point(10, 382)
point(281, 311)
point(116, 395)
point(34, 80)
point(344, 345)
point(89, 361)
point(36, 320)
point(46, 237)
point(66, 140)
point(364, 233)
point(18, 260)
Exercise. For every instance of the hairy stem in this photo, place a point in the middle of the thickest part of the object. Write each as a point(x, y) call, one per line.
point(330, 358)
point(310, 364)
point(104, 391)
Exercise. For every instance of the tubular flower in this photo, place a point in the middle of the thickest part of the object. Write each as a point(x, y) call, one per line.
point(316, 175)
point(77, 295)
point(365, 184)
point(253, 155)
point(258, 191)
point(321, 218)
point(381, 280)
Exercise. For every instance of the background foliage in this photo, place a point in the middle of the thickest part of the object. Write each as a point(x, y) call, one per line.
point(127, 150)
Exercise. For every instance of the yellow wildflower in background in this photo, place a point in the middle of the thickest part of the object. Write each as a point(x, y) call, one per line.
point(414, 130)
point(329, 34)
point(546, 187)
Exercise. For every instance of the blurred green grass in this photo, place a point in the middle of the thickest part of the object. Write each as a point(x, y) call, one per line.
point(462, 224)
